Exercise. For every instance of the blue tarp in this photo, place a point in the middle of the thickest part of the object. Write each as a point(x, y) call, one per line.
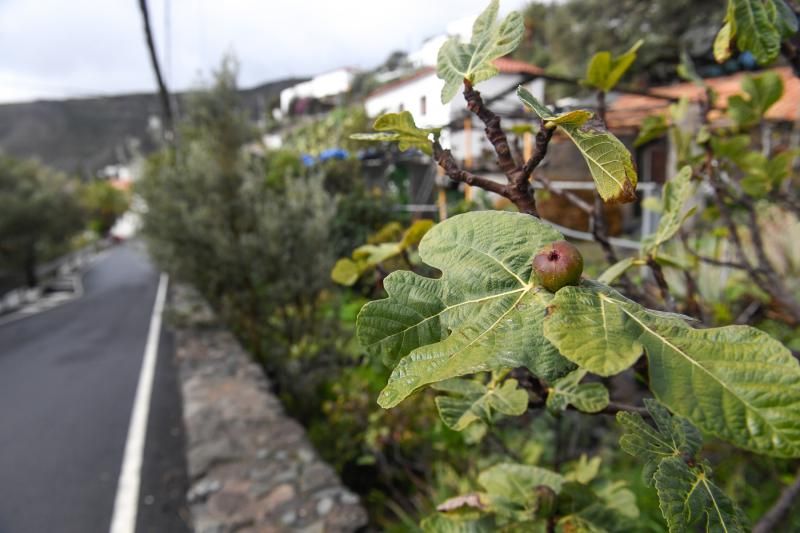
point(326, 155)
point(333, 153)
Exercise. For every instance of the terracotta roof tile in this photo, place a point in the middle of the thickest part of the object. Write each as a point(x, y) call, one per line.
point(628, 111)
point(506, 65)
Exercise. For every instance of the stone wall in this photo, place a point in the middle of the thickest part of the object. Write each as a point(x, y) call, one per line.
point(251, 467)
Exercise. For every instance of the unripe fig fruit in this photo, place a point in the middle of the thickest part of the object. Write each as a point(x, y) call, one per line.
point(558, 264)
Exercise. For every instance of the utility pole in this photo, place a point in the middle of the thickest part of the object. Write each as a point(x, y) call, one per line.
point(169, 126)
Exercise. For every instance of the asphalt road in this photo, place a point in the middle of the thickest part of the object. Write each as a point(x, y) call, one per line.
point(68, 378)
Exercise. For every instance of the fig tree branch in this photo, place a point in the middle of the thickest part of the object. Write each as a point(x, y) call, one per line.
point(495, 133)
point(448, 163)
point(543, 137)
point(661, 281)
point(763, 272)
point(710, 260)
point(773, 518)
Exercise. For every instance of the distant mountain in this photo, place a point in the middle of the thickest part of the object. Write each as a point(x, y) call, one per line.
point(83, 135)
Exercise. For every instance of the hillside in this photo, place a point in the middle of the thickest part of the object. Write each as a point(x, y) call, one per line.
point(83, 135)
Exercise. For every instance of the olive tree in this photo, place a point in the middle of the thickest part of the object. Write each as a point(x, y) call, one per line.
point(39, 213)
point(217, 218)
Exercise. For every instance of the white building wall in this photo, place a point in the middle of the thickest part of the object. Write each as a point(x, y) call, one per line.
point(408, 97)
point(510, 103)
point(428, 53)
point(328, 84)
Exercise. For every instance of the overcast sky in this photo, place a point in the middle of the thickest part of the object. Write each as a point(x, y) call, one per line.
point(69, 48)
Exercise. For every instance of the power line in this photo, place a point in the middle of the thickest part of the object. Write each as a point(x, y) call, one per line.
point(168, 41)
point(162, 87)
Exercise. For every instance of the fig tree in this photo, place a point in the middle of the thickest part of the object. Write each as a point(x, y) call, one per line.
point(558, 264)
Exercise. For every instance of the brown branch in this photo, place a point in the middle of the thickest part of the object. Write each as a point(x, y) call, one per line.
point(543, 137)
point(611, 409)
point(727, 217)
point(790, 48)
point(495, 133)
point(598, 221)
point(599, 232)
point(773, 518)
point(616, 407)
point(763, 273)
point(518, 190)
point(497, 441)
point(693, 307)
point(539, 390)
point(787, 201)
point(775, 285)
point(710, 260)
point(448, 163)
point(661, 281)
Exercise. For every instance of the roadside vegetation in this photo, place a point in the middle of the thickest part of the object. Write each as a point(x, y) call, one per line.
point(45, 214)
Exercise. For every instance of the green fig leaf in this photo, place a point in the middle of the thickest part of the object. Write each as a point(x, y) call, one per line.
point(785, 19)
point(473, 61)
point(409, 318)
point(677, 192)
point(345, 272)
point(612, 273)
point(591, 330)
point(589, 397)
point(414, 234)
point(517, 483)
point(484, 313)
point(439, 523)
point(609, 161)
point(688, 497)
point(472, 402)
point(754, 31)
point(573, 118)
point(366, 257)
point(722, 43)
point(605, 71)
point(652, 128)
point(672, 436)
point(585, 470)
point(735, 382)
point(400, 128)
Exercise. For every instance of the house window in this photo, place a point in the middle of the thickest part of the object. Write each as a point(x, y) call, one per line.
point(423, 105)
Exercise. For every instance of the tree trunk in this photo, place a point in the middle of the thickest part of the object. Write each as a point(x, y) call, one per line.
point(29, 265)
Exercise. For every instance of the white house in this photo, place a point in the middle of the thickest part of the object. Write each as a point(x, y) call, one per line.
point(324, 85)
point(428, 53)
point(420, 93)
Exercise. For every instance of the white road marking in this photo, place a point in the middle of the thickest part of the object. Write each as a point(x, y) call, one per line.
point(126, 503)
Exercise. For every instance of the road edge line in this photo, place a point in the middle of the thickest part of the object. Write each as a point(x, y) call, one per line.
point(126, 502)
